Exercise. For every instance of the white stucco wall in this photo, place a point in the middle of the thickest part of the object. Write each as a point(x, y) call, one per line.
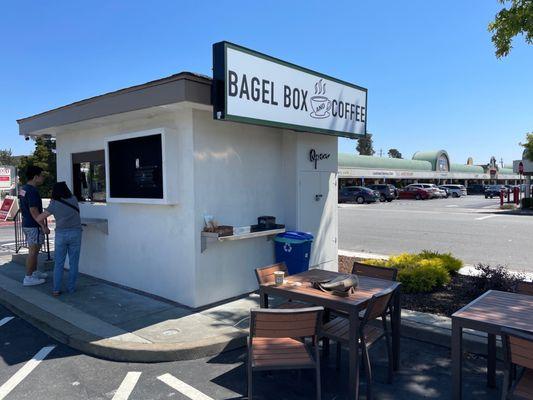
point(245, 171)
point(235, 172)
point(149, 247)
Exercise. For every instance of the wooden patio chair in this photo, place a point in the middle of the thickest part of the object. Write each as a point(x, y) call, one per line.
point(525, 288)
point(265, 275)
point(517, 351)
point(338, 330)
point(374, 271)
point(277, 341)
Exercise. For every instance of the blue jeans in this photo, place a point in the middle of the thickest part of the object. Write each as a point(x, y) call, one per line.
point(67, 241)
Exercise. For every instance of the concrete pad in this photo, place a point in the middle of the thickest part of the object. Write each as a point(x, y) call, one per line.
point(112, 304)
point(185, 329)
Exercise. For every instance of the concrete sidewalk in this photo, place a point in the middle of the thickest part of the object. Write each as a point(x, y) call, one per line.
point(119, 324)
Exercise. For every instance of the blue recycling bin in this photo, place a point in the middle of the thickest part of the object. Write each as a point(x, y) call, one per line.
point(294, 249)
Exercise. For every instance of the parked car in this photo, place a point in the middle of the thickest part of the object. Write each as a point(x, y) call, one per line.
point(433, 190)
point(414, 192)
point(446, 190)
point(455, 190)
point(476, 188)
point(492, 191)
point(359, 194)
point(387, 192)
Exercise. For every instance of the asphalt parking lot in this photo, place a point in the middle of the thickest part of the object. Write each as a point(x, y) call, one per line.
point(469, 227)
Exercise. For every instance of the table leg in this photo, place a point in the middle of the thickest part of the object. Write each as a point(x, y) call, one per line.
point(457, 359)
point(491, 361)
point(353, 371)
point(263, 298)
point(396, 324)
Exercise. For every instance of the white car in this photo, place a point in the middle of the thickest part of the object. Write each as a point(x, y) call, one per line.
point(455, 190)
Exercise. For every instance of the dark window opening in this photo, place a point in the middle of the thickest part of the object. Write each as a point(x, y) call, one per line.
point(88, 173)
point(136, 167)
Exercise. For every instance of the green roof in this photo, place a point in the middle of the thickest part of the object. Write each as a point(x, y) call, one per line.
point(430, 156)
point(474, 169)
point(347, 160)
point(505, 170)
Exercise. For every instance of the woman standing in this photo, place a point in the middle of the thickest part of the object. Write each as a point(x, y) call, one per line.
point(64, 208)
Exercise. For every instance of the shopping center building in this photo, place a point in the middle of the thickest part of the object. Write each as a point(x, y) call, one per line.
point(425, 166)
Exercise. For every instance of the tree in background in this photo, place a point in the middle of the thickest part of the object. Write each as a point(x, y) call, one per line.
point(512, 21)
point(528, 153)
point(7, 158)
point(43, 156)
point(394, 153)
point(365, 146)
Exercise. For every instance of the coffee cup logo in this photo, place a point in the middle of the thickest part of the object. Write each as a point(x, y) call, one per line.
point(320, 103)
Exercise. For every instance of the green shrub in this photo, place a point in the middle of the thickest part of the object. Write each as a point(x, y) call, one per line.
point(422, 272)
point(452, 264)
point(423, 277)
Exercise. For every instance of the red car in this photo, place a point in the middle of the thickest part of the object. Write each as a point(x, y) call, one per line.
point(412, 192)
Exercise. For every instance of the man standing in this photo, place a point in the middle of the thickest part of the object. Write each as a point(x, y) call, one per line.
point(31, 206)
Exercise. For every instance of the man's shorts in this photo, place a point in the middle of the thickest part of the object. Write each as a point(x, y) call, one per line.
point(34, 236)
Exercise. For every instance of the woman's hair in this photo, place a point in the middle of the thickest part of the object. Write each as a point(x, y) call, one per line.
point(61, 191)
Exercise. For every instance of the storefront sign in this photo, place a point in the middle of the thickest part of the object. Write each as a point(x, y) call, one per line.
point(5, 178)
point(314, 157)
point(255, 88)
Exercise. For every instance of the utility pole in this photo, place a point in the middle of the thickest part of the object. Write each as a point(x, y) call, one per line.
point(381, 152)
point(501, 161)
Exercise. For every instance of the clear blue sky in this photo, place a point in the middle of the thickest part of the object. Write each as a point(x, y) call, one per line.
point(429, 66)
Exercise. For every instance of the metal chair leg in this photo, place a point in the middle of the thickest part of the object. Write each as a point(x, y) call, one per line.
point(506, 384)
point(390, 375)
point(339, 349)
point(318, 378)
point(249, 380)
point(368, 372)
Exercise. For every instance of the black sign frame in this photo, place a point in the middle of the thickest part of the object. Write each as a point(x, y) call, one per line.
point(219, 92)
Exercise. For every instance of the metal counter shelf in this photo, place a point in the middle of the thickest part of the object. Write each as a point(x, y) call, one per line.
point(210, 237)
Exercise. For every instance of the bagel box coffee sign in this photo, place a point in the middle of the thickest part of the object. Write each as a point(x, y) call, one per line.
point(255, 88)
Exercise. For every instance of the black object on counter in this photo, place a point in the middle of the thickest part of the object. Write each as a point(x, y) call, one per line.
point(266, 222)
point(259, 228)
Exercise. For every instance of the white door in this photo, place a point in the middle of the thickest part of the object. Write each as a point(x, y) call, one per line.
point(318, 214)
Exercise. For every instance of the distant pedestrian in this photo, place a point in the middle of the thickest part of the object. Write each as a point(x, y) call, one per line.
point(31, 205)
point(64, 207)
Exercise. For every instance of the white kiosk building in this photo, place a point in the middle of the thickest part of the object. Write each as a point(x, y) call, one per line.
point(150, 162)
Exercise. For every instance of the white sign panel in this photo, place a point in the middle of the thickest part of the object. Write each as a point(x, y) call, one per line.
point(5, 178)
point(255, 88)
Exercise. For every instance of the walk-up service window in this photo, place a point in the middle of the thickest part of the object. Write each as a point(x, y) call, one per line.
point(135, 168)
point(89, 176)
point(136, 172)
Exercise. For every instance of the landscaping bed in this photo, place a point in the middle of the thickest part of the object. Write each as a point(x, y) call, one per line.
point(448, 298)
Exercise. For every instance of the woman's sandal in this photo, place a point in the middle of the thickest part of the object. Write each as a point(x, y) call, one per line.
point(56, 294)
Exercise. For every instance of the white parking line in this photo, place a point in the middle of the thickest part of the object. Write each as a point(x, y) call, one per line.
point(485, 217)
point(22, 373)
point(5, 320)
point(127, 386)
point(183, 388)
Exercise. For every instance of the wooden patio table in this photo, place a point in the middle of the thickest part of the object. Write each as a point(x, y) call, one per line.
point(489, 313)
point(299, 287)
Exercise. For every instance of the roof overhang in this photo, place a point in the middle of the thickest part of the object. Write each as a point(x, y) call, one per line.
point(182, 87)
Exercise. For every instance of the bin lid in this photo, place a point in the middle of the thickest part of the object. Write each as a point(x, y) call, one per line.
point(294, 237)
